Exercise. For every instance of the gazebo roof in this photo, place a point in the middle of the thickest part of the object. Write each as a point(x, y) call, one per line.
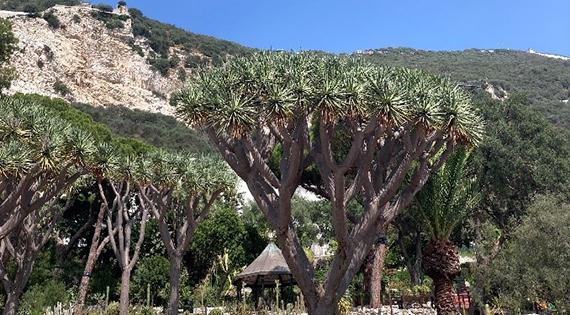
point(268, 267)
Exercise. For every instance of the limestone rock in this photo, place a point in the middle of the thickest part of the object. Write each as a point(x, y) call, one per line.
point(96, 64)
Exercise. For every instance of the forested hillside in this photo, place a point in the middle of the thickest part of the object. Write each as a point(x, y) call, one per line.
point(546, 81)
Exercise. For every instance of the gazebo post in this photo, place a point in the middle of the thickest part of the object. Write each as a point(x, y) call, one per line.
point(239, 286)
point(262, 286)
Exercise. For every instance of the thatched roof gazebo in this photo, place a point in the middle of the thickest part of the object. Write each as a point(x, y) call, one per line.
point(268, 267)
point(264, 271)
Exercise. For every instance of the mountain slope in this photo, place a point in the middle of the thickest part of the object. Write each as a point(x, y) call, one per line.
point(91, 55)
point(546, 81)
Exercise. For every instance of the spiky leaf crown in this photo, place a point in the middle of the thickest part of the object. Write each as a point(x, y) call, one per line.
point(276, 87)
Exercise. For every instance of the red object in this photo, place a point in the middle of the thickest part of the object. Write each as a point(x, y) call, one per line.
point(463, 299)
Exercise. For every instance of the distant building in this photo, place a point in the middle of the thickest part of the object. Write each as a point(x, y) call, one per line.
point(122, 8)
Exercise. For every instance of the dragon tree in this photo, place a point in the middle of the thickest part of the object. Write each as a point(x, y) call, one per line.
point(180, 190)
point(41, 156)
point(287, 108)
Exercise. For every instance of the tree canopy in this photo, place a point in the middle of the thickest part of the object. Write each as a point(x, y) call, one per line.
point(256, 107)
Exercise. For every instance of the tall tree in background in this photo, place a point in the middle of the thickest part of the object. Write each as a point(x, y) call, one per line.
point(447, 198)
point(125, 215)
point(8, 44)
point(179, 191)
point(400, 120)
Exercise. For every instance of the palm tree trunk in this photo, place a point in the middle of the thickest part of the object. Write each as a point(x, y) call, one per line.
point(441, 263)
point(444, 296)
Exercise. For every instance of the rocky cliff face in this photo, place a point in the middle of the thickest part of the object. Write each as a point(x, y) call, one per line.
point(84, 61)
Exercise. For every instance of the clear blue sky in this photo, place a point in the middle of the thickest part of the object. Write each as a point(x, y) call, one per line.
point(349, 25)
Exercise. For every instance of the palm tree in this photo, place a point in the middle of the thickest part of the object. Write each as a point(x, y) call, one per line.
point(440, 207)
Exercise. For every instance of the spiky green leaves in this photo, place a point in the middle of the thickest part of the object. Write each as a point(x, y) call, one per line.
point(34, 137)
point(184, 173)
point(274, 87)
point(448, 196)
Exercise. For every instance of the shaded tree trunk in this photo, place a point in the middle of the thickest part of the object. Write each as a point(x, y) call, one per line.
point(12, 303)
point(323, 309)
point(376, 267)
point(125, 287)
point(175, 270)
point(94, 252)
point(17, 288)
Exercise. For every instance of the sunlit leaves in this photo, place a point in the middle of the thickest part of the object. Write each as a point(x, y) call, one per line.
point(274, 87)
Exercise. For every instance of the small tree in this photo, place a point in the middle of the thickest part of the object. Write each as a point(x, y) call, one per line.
point(21, 248)
point(446, 200)
point(180, 191)
point(8, 44)
point(124, 213)
point(259, 109)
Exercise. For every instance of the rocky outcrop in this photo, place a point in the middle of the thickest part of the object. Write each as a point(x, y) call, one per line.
point(84, 61)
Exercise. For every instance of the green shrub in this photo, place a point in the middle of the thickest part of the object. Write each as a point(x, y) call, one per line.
point(48, 52)
point(52, 20)
point(40, 64)
point(61, 89)
point(41, 296)
point(162, 65)
point(174, 61)
point(76, 19)
point(344, 305)
point(31, 9)
point(112, 309)
point(104, 7)
point(194, 61)
point(216, 311)
point(114, 24)
point(37, 5)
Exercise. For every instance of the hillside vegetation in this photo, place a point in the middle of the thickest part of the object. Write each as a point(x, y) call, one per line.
point(545, 81)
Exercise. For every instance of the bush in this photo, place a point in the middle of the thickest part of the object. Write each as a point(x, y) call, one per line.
point(216, 311)
point(151, 271)
point(174, 61)
point(112, 309)
point(76, 19)
point(161, 65)
point(114, 24)
point(104, 7)
point(31, 9)
point(61, 89)
point(52, 20)
point(41, 296)
point(48, 52)
point(182, 76)
point(193, 61)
